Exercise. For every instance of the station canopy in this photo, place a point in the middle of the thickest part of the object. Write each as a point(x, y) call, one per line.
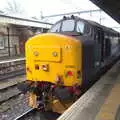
point(112, 7)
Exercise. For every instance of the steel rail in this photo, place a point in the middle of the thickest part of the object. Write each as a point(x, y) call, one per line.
point(24, 114)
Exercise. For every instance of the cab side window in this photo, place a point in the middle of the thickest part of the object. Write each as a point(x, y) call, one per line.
point(83, 27)
point(80, 27)
point(56, 28)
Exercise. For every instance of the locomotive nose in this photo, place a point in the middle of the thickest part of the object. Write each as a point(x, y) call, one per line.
point(53, 55)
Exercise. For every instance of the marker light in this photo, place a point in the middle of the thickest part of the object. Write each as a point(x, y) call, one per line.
point(69, 73)
point(45, 67)
point(28, 70)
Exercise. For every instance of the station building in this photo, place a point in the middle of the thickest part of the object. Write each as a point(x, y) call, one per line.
point(14, 31)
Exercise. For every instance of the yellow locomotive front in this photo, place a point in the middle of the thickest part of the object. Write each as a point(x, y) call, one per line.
point(53, 69)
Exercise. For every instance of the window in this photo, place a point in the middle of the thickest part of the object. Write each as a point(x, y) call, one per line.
point(56, 28)
point(87, 29)
point(114, 40)
point(2, 42)
point(80, 27)
point(68, 26)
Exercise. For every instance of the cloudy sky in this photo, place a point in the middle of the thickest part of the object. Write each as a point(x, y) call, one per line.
point(50, 7)
point(34, 7)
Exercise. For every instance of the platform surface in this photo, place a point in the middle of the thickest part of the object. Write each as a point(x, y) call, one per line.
point(100, 102)
point(10, 58)
point(109, 109)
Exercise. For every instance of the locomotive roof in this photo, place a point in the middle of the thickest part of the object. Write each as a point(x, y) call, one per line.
point(93, 23)
point(101, 26)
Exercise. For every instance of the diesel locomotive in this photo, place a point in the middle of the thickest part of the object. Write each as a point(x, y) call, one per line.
point(62, 62)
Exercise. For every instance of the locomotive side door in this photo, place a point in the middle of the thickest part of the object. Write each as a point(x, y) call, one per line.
point(99, 38)
point(107, 46)
point(101, 42)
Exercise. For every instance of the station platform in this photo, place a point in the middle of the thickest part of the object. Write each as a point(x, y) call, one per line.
point(11, 57)
point(100, 102)
point(109, 109)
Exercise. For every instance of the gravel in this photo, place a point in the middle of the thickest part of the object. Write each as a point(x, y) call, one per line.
point(14, 107)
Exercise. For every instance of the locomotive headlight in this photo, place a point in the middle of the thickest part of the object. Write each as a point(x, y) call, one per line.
point(36, 53)
point(45, 67)
point(55, 54)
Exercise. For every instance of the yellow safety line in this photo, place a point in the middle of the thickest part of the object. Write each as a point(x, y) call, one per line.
point(109, 108)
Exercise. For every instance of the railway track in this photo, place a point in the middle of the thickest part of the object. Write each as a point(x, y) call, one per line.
point(33, 114)
point(9, 90)
point(12, 68)
point(13, 107)
point(12, 74)
point(12, 93)
point(11, 99)
point(22, 116)
point(9, 93)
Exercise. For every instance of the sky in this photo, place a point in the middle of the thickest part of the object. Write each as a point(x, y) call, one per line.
point(34, 7)
point(55, 6)
point(50, 7)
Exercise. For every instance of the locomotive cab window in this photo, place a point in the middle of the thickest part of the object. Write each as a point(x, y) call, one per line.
point(68, 26)
point(64, 26)
point(80, 27)
point(71, 25)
